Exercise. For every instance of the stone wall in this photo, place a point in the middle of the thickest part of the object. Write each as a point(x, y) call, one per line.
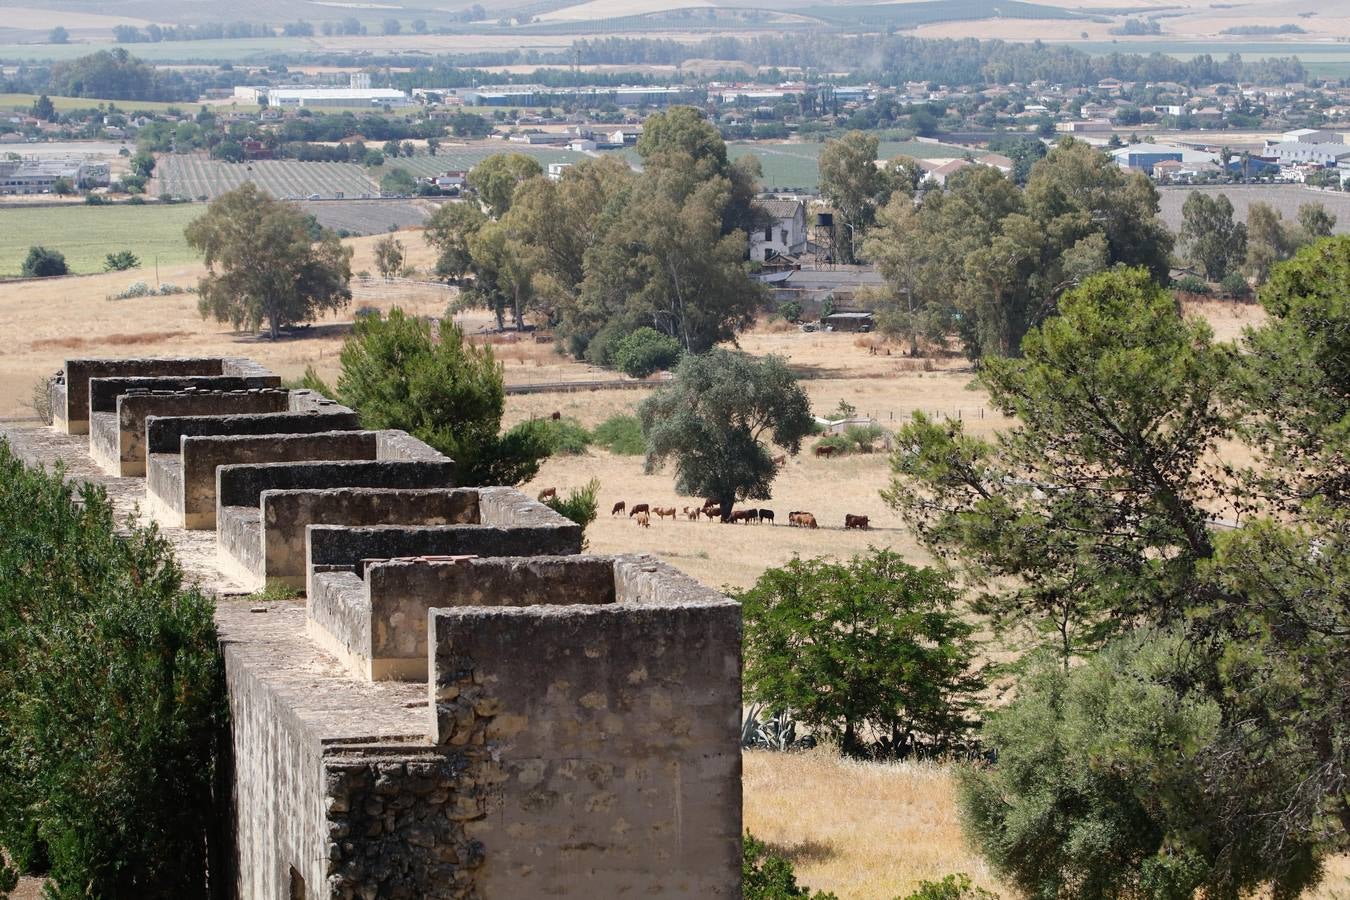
point(571, 726)
point(134, 409)
point(202, 455)
point(610, 732)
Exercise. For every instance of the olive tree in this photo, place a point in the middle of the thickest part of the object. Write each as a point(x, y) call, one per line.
point(715, 422)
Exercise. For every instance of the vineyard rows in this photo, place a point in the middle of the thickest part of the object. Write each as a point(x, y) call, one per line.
point(197, 176)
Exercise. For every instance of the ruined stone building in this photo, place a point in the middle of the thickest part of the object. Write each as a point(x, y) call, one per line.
point(462, 704)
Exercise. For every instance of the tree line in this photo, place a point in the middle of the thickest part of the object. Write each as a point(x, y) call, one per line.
point(605, 250)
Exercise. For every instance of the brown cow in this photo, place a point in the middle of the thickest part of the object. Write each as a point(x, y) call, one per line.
point(745, 515)
point(826, 450)
point(801, 519)
point(779, 460)
point(712, 512)
point(556, 416)
point(692, 513)
point(644, 519)
point(852, 521)
point(618, 508)
point(808, 520)
point(546, 493)
point(638, 508)
point(662, 511)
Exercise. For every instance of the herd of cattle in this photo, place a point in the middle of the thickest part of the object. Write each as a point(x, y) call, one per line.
point(712, 511)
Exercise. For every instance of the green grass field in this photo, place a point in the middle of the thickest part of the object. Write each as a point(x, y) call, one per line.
point(788, 166)
point(87, 234)
point(22, 102)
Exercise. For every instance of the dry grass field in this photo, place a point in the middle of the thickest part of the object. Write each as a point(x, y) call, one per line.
point(873, 831)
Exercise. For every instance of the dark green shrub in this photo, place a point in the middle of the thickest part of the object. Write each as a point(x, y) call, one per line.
point(621, 435)
point(1191, 285)
point(579, 505)
point(120, 261)
point(864, 438)
point(951, 887)
point(111, 697)
point(563, 437)
point(1235, 285)
point(840, 445)
point(43, 262)
point(791, 311)
point(767, 876)
point(870, 647)
point(645, 351)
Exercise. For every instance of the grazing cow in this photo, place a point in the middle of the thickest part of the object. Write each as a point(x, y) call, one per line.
point(556, 416)
point(807, 520)
point(826, 450)
point(766, 515)
point(662, 511)
point(712, 512)
point(638, 508)
point(546, 493)
point(852, 521)
point(644, 519)
point(745, 515)
point(618, 508)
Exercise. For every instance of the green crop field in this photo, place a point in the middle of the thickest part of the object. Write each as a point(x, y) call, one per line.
point(789, 166)
point(464, 158)
point(195, 176)
point(63, 104)
point(87, 234)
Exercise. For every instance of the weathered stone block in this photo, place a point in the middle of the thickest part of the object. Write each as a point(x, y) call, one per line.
point(195, 505)
point(134, 409)
point(610, 739)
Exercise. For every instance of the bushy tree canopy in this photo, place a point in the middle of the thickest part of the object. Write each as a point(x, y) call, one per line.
point(261, 265)
point(715, 421)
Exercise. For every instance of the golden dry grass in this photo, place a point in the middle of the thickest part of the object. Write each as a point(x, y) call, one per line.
point(44, 322)
point(873, 831)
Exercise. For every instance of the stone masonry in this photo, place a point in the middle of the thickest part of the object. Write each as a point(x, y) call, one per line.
point(464, 705)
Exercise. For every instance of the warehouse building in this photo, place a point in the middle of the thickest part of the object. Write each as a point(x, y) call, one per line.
point(292, 98)
point(38, 176)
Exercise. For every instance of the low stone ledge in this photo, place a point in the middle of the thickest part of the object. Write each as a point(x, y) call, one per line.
point(164, 434)
point(70, 411)
point(134, 409)
point(103, 392)
point(201, 456)
point(336, 546)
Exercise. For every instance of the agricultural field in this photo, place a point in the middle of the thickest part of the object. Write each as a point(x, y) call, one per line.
point(795, 165)
point(196, 176)
point(22, 102)
point(87, 234)
point(1286, 198)
point(368, 216)
point(465, 157)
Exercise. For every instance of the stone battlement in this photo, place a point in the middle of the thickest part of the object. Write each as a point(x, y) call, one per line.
point(464, 705)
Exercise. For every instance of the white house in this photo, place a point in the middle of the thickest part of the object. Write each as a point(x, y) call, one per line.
point(785, 235)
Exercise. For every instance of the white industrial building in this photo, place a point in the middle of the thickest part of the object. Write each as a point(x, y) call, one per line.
point(38, 176)
point(292, 98)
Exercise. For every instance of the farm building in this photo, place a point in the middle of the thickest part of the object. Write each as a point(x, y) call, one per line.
point(1144, 157)
point(785, 235)
point(38, 176)
point(849, 321)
